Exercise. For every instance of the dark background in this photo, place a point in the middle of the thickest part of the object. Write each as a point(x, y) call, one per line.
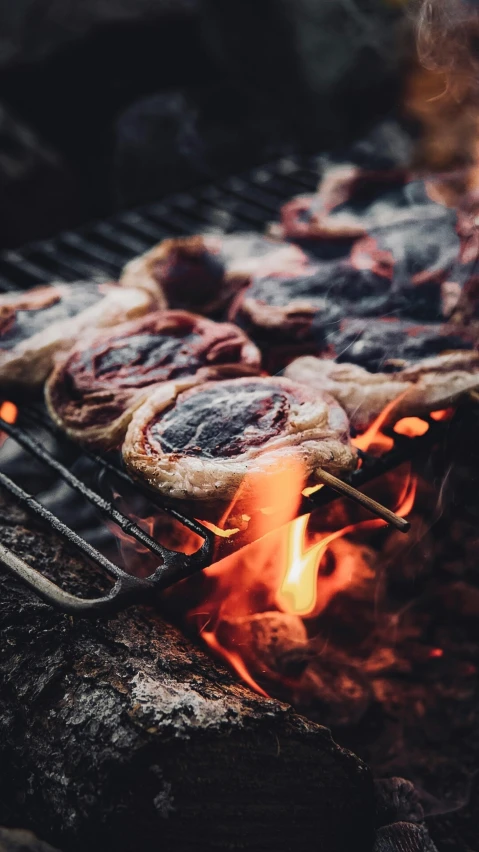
point(106, 104)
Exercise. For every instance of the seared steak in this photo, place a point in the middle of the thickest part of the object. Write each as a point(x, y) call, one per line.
point(94, 391)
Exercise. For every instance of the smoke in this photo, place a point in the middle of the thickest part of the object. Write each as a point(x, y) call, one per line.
point(448, 39)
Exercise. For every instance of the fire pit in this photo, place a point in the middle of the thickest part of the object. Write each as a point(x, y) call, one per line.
point(141, 735)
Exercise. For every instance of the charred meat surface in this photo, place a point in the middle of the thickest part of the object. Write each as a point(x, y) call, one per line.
point(201, 444)
point(411, 259)
point(297, 314)
point(389, 344)
point(430, 385)
point(203, 273)
point(351, 202)
point(35, 326)
point(93, 392)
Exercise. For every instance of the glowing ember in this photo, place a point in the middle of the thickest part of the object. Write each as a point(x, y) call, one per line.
point(8, 412)
point(436, 652)
point(445, 414)
point(412, 427)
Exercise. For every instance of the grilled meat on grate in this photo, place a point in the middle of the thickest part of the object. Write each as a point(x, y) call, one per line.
point(35, 326)
point(93, 392)
point(199, 445)
point(203, 273)
point(430, 385)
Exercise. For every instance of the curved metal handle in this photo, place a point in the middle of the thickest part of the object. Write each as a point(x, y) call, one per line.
point(126, 590)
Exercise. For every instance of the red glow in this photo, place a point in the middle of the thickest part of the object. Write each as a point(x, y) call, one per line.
point(8, 412)
point(445, 414)
point(412, 427)
point(436, 652)
point(234, 660)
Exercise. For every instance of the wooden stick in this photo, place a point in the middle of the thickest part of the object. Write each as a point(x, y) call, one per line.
point(372, 505)
point(474, 396)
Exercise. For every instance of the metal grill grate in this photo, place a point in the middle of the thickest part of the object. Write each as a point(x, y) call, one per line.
point(174, 565)
point(246, 202)
point(100, 250)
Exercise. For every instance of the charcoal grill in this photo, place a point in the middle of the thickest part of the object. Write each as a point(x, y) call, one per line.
point(99, 251)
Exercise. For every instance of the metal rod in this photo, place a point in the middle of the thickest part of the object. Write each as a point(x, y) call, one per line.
point(125, 524)
point(62, 529)
point(367, 502)
point(192, 524)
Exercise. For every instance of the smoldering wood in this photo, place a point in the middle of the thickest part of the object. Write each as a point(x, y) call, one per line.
point(121, 734)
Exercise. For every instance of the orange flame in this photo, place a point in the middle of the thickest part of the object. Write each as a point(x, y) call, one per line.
point(234, 660)
point(8, 412)
point(299, 591)
point(445, 414)
point(285, 574)
point(373, 435)
point(412, 427)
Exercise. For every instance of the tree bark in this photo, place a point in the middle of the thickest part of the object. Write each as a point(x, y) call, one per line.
point(120, 734)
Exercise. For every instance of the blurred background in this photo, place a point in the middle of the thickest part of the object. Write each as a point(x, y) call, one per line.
point(106, 104)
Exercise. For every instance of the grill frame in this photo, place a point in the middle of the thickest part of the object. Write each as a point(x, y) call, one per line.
point(100, 250)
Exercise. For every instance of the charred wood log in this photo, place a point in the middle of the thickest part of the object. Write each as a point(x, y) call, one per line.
point(121, 734)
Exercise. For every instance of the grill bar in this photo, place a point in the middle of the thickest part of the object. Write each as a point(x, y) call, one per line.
point(128, 527)
point(101, 249)
point(174, 565)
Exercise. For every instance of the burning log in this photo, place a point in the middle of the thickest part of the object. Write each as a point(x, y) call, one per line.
point(120, 734)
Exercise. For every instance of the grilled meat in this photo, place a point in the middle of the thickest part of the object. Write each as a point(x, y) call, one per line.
point(203, 273)
point(95, 389)
point(36, 325)
point(199, 445)
point(430, 385)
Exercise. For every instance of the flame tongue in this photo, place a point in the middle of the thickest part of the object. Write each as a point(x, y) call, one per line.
point(253, 611)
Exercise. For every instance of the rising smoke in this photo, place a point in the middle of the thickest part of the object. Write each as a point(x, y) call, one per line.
point(448, 39)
